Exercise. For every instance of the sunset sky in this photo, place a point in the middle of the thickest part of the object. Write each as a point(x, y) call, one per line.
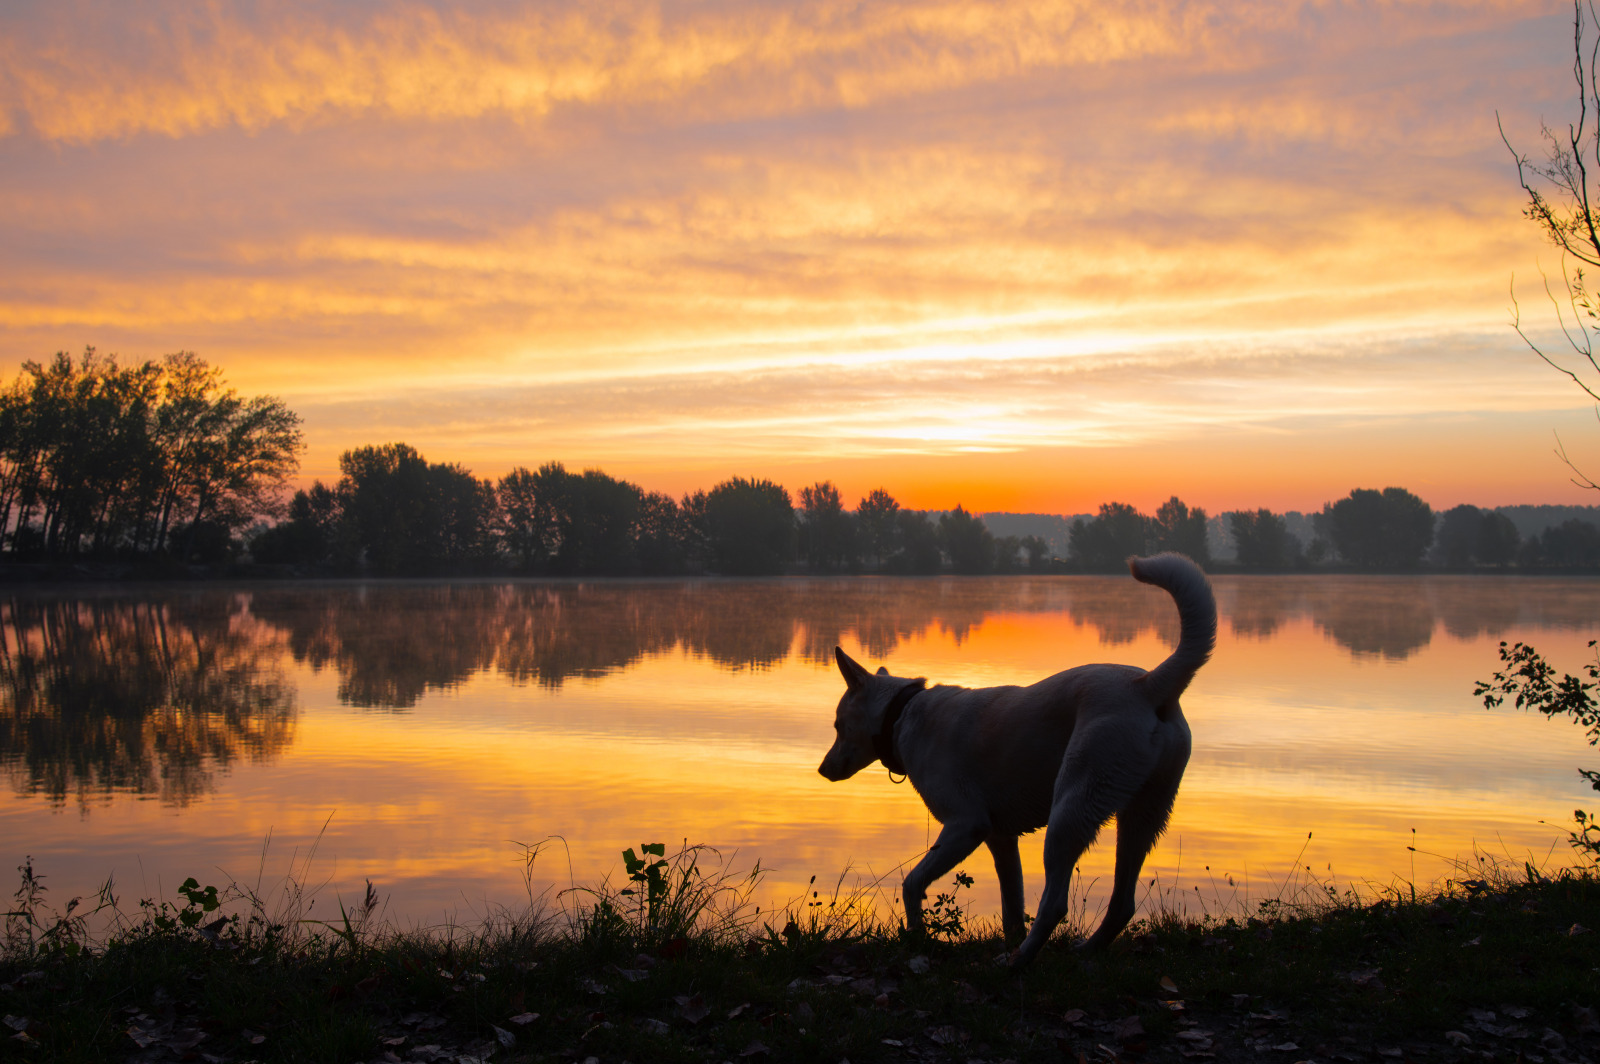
point(1026, 256)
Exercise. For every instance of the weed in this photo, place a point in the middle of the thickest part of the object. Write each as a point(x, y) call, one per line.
point(945, 918)
point(1530, 682)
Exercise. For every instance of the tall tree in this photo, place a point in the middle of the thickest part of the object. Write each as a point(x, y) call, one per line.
point(878, 521)
point(750, 525)
point(827, 533)
point(1456, 539)
point(967, 540)
point(1379, 530)
point(1106, 542)
point(1178, 528)
point(1261, 539)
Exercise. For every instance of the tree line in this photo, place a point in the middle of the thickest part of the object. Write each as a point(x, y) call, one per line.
point(162, 459)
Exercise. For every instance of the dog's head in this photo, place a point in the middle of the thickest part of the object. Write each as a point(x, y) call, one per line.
point(859, 718)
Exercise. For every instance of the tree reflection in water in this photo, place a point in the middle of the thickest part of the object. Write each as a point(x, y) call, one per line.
point(392, 643)
point(144, 695)
point(152, 694)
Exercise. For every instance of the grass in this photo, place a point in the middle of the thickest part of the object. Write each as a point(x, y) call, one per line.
point(674, 962)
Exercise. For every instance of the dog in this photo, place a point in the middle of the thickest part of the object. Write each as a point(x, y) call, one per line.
point(1065, 754)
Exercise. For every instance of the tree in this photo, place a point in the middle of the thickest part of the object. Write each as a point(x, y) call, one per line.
point(1498, 539)
point(827, 533)
point(750, 525)
point(407, 516)
point(1261, 539)
point(1038, 552)
point(919, 545)
point(1456, 541)
point(1573, 544)
point(878, 523)
point(968, 542)
point(1561, 193)
point(1105, 543)
point(1178, 528)
point(1379, 530)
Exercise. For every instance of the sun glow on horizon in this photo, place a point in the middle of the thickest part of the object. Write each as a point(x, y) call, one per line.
point(680, 242)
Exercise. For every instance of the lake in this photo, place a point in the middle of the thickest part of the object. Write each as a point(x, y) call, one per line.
point(416, 734)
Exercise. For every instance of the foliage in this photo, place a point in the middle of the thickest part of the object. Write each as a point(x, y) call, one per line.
point(878, 521)
point(1261, 539)
point(967, 541)
point(151, 459)
point(945, 918)
point(406, 515)
point(827, 530)
point(1176, 527)
point(1379, 530)
point(1105, 544)
point(920, 550)
point(750, 527)
point(1531, 683)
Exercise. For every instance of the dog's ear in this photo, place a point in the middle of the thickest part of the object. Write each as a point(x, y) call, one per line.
point(883, 670)
point(854, 674)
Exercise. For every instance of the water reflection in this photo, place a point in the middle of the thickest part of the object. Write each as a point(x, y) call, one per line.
point(391, 644)
point(148, 696)
point(153, 694)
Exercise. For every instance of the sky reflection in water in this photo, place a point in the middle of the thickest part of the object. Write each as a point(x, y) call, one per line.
point(156, 734)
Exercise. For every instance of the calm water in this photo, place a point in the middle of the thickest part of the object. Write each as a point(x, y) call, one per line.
point(423, 730)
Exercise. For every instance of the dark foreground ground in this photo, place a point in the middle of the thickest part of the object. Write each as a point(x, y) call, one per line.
point(1503, 972)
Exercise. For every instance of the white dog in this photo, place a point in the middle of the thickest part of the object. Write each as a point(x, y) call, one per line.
point(1066, 754)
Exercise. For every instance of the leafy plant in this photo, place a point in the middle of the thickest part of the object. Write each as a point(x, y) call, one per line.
point(945, 918)
point(1531, 682)
point(650, 878)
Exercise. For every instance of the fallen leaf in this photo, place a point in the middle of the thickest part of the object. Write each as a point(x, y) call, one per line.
point(1073, 1016)
point(918, 965)
point(754, 1049)
point(503, 1036)
point(1168, 985)
point(1576, 929)
point(650, 1026)
point(1457, 1038)
point(892, 1042)
point(400, 1041)
point(522, 1019)
point(633, 975)
point(692, 1009)
point(1286, 1047)
point(1128, 1029)
point(737, 1011)
point(16, 1023)
point(945, 1036)
point(1475, 940)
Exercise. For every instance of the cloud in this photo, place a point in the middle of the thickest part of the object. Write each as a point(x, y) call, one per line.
point(816, 228)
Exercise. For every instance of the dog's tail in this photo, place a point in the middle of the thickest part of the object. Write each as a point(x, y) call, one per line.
point(1197, 611)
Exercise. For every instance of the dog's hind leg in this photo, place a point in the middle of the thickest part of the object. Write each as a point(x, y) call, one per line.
point(1139, 824)
point(1075, 819)
point(1008, 867)
point(955, 844)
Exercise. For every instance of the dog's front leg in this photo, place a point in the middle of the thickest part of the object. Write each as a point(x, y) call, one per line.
point(955, 844)
point(1008, 867)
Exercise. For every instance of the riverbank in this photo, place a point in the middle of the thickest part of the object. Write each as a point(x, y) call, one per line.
point(1506, 967)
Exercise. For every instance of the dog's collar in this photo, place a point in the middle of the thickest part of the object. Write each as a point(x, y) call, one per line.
point(883, 742)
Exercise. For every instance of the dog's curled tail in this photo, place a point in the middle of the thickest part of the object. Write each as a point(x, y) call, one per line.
point(1197, 612)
